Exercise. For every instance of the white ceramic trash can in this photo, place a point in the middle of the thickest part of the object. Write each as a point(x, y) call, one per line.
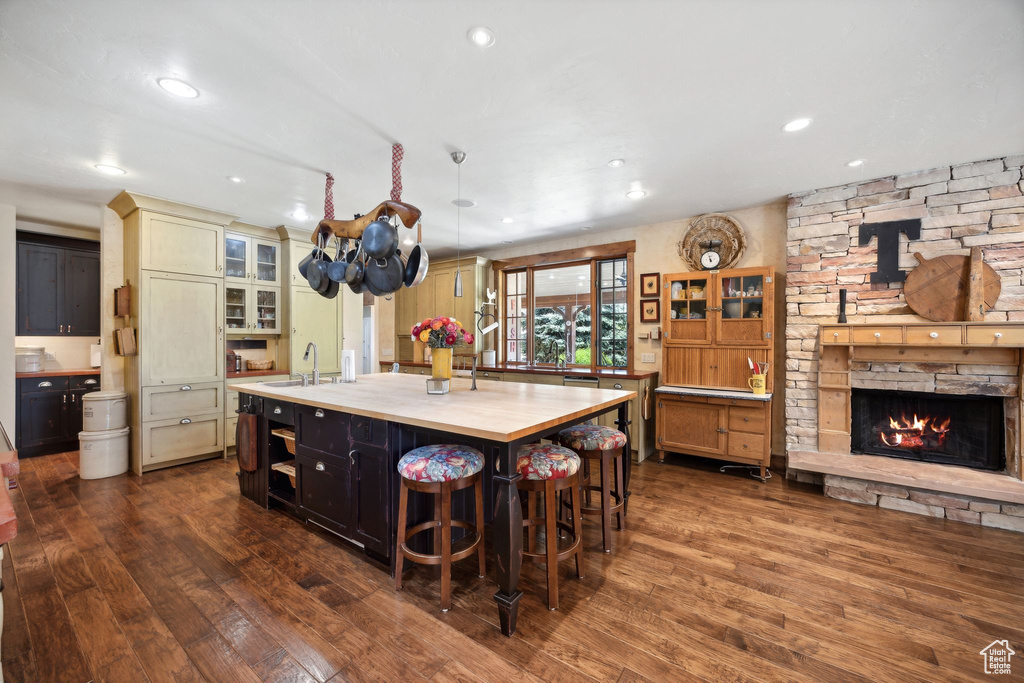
point(104, 410)
point(103, 454)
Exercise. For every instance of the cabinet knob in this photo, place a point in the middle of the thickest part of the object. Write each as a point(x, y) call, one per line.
point(319, 413)
point(90, 381)
point(836, 335)
point(45, 384)
point(878, 335)
point(999, 335)
point(617, 385)
point(319, 467)
point(277, 410)
point(933, 335)
point(746, 419)
point(185, 421)
point(185, 387)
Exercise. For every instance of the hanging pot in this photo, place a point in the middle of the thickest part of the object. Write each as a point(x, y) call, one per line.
point(380, 239)
point(417, 263)
point(356, 269)
point(316, 271)
point(384, 276)
point(336, 270)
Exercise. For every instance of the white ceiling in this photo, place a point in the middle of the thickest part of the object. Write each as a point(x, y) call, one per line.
point(691, 94)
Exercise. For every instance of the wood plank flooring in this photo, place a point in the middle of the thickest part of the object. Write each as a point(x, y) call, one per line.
point(175, 577)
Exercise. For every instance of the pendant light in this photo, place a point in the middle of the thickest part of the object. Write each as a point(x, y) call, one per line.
point(458, 158)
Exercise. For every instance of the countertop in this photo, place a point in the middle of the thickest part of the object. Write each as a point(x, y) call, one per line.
point(497, 411)
point(534, 370)
point(58, 373)
point(255, 373)
point(714, 393)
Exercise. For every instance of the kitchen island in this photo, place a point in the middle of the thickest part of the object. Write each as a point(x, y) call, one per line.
point(348, 439)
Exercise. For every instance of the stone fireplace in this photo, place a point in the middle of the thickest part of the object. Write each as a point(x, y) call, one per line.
point(836, 373)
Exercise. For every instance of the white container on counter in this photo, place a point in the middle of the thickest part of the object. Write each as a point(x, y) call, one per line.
point(490, 358)
point(28, 362)
point(103, 454)
point(104, 410)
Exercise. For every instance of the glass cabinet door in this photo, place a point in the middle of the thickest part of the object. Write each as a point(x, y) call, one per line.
point(235, 307)
point(236, 258)
point(268, 310)
point(267, 256)
point(687, 308)
point(742, 302)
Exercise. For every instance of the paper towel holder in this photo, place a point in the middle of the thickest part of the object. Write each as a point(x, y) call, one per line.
point(346, 363)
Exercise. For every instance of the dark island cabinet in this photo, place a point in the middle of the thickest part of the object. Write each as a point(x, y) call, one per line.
point(58, 290)
point(343, 476)
point(49, 413)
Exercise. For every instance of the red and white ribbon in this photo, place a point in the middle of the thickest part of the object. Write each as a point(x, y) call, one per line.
point(329, 199)
point(396, 172)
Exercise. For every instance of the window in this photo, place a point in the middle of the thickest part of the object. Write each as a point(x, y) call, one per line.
point(575, 313)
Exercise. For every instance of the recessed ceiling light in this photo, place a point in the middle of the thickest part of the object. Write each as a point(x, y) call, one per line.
point(408, 240)
point(581, 277)
point(236, 179)
point(178, 88)
point(636, 194)
point(796, 124)
point(507, 219)
point(481, 36)
point(109, 170)
point(551, 277)
point(300, 215)
point(506, 241)
point(615, 163)
point(464, 203)
point(855, 163)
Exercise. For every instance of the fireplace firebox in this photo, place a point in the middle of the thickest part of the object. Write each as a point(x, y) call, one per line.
point(940, 428)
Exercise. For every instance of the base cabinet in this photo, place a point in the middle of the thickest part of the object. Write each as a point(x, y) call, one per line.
point(737, 430)
point(49, 413)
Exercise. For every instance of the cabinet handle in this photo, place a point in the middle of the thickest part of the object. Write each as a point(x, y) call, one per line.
point(878, 335)
point(319, 467)
point(45, 384)
point(319, 412)
point(277, 410)
point(746, 419)
point(933, 335)
point(90, 381)
point(836, 335)
point(64, 398)
point(185, 387)
point(617, 385)
point(62, 329)
point(185, 421)
point(999, 335)
point(723, 430)
point(351, 457)
point(72, 398)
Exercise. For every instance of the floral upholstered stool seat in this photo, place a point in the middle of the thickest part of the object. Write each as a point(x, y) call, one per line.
point(548, 469)
point(605, 445)
point(440, 470)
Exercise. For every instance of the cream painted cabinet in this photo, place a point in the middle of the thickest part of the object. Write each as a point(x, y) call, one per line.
point(180, 245)
point(315, 319)
point(181, 332)
point(249, 259)
point(252, 309)
point(182, 437)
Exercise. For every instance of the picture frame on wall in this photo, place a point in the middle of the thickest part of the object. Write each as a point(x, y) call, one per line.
point(650, 311)
point(650, 285)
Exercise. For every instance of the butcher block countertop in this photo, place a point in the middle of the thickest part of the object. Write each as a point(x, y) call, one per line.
point(58, 373)
point(534, 369)
point(497, 411)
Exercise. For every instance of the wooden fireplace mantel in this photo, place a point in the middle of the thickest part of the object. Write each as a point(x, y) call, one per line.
point(981, 343)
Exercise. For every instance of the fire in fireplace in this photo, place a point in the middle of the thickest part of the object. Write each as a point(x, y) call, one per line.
point(948, 429)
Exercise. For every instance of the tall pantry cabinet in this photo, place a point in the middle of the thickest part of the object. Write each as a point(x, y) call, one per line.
point(174, 264)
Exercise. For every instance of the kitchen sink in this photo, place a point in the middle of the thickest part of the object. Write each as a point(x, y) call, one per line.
point(284, 383)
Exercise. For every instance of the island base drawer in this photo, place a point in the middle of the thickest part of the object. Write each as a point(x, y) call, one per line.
point(181, 400)
point(179, 438)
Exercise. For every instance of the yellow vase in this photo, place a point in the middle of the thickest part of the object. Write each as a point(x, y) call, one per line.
point(441, 363)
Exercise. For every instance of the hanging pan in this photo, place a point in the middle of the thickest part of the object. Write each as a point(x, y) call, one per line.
point(316, 271)
point(416, 266)
point(336, 270)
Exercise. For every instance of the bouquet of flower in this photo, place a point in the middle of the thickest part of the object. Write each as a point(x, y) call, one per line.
point(441, 332)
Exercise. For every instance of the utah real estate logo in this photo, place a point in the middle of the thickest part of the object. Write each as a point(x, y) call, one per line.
point(997, 657)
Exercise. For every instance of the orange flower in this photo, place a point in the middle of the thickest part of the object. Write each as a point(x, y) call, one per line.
point(435, 325)
point(424, 335)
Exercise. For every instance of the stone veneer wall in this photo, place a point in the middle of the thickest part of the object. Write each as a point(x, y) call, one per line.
point(974, 204)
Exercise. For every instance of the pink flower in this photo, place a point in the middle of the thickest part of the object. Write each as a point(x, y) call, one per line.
point(445, 320)
point(468, 338)
point(416, 329)
point(450, 340)
point(451, 327)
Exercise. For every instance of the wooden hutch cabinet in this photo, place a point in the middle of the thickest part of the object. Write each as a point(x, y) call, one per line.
point(713, 322)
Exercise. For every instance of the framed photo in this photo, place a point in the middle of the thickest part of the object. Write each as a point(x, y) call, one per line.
point(650, 311)
point(650, 285)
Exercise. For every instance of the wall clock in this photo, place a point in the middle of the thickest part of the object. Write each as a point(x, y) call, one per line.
point(696, 246)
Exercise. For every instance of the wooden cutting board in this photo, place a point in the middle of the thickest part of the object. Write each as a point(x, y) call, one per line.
point(951, 288)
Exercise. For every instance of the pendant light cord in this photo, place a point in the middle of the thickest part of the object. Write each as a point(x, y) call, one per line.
point(458, 223)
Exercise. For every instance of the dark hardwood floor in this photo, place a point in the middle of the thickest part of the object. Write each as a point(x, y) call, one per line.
point(176, 577)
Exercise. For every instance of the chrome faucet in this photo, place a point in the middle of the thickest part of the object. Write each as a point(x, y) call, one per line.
point(316, 362)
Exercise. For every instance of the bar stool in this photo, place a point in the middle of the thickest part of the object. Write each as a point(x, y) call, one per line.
point(440, 470)
point(548, 469)
point(605, 444)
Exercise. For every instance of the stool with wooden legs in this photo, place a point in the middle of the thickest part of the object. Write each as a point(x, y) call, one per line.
point(548, 469)
point(603, 444)
point(440, 470)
